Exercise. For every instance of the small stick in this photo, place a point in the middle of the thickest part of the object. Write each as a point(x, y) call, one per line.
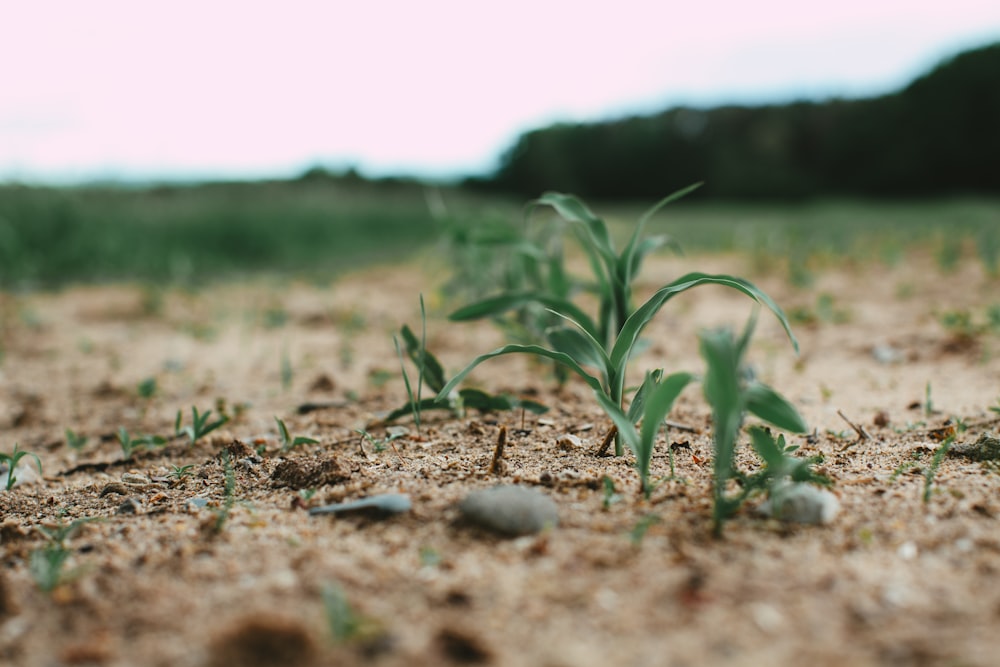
point(679, 427)
point(860, 430)
point(608, 439)
point(496, 463)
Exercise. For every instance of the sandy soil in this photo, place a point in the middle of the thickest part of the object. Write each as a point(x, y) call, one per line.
point(892, 581)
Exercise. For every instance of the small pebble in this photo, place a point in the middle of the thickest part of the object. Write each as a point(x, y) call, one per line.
point(986, 448)
point(801, 503)
point(510, 510)
point(135, 479)
point(196, 503)
point(129, 506)
point(385, 503)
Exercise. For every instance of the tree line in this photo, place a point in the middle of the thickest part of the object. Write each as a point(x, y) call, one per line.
point(938, 136)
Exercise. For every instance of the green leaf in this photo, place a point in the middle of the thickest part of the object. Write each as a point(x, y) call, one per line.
point(537, 350)
point(574, 210)
point(581, 346)
point(632, 255)
point(772, 407)
point(639, 400)
point(659, 404)
point(433, 373)
point(766, 448)
point(647, 311)
point(504, 302)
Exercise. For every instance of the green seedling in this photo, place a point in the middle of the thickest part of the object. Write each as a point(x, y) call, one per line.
point(605, 343)
point(343, 622)
point(12, 459)
point(731, 391)
point(131, 445)
point(432, 374)
point(228, 493)
point(379, 444)
point(928, 401)
point(147, 388)
point(932, 469)
point(609, 495)
point(74, 440)
point(288, 443)
point(180, 472)
point(641, 527)
point(287, 373)
point(47, 565)
point(651, 404)
point(200, 425)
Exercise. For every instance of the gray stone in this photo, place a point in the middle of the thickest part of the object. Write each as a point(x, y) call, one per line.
point(385, 503)
point(801, 503)
point(510, 510)
point(986, 448)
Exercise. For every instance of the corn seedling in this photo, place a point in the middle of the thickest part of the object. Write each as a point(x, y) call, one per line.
point(131, 445)
point(147, 388)
point(341, 619)
point(287, 372)
point(180, 472)
point(641, 527)
point(731, 391)
point(12, 459)
point(652, 402)
point(932, 469)
point(609, 495)
point(47, 565)
point(607, 342)
point(228, 493)
point(432, 374)
point(200, 425)
point(74, 440)
point(289, 443)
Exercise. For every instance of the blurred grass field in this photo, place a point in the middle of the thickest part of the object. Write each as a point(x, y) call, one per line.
point(189, 235)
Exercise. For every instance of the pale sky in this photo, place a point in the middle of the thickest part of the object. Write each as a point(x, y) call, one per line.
point(142, 89)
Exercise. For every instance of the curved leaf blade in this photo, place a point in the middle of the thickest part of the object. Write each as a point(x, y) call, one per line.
point(537, 350)
point(772, 407)
point(647, 311)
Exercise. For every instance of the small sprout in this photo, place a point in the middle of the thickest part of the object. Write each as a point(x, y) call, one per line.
point(147, 388)
point(939, 455)
point(74, 440)
point(200, 426)
point(641, 527)
point(229, 493)
point(286, 370)
point(430, 557)
point(180, 472)
point(289, 443)
point(12, 460)
point(610, 497)
point(131, 445)
point(307, 494)
point(341, 619)
point(47, 564)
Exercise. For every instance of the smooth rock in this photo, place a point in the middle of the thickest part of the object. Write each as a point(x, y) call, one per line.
point(510, 510)
point(385, 503)
point(801, 503)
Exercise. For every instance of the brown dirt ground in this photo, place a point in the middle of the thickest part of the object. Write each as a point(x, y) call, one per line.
point(891, 581)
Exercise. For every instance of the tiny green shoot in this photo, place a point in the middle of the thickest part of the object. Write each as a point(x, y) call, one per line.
point(341, 619)
point(289, 443)
point(74, 440)
point(180, 472)
point(200, 425)
point(641, 527)
point(932, 469)
point(609, 494)
point(12, 460)
point(130, 444)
